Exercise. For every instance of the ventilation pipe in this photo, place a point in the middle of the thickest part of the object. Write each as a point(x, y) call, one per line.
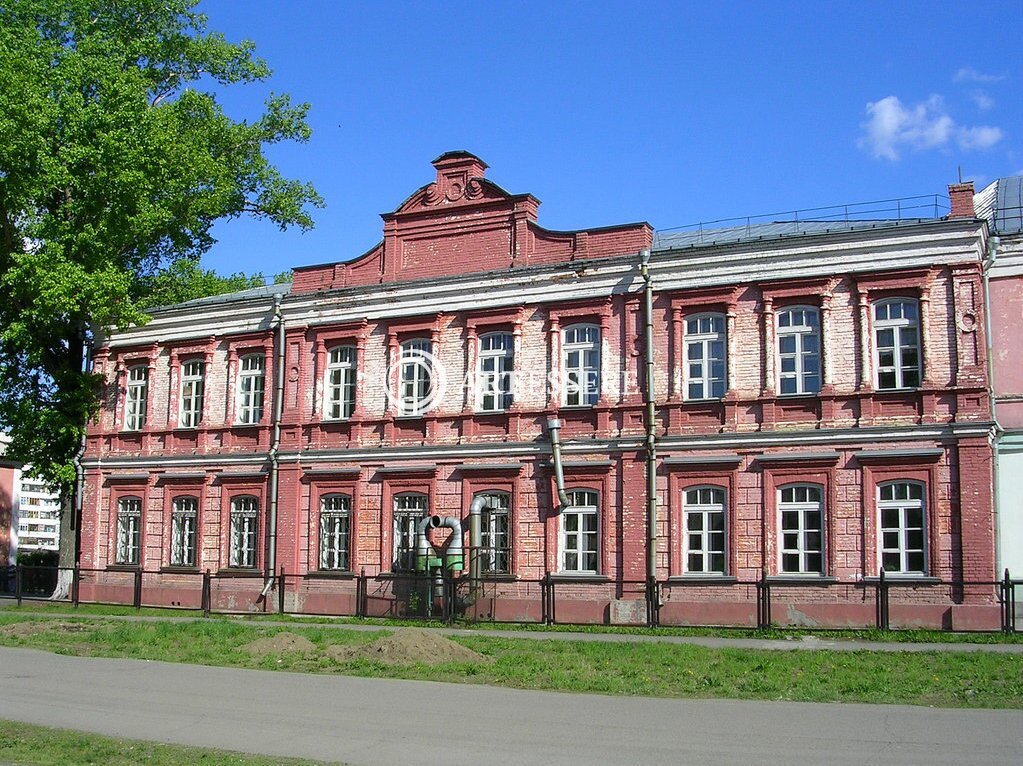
point(651, 415)
point(475, 536)
point(554, 426)
point(427, 556)
point(275, 442)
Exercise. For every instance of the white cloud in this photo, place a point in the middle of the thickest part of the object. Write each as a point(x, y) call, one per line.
point(969, 74)
point(982, 100)
point(892, 126)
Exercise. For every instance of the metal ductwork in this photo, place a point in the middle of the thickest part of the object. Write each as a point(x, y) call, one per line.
point(427, 556)
point(554, 426)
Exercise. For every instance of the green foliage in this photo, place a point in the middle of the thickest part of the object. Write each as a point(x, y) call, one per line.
point(186, 280)
point(113, 163)
point(37, 558)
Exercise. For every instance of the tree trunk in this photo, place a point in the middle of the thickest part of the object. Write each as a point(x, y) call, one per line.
point(66, 556)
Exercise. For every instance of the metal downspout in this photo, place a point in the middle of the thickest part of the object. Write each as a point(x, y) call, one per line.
point(271, 521)
point(554, 426)
point(651, 415)
point(989, 260)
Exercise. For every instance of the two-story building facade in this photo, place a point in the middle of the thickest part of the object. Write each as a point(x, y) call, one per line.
point(820, 412)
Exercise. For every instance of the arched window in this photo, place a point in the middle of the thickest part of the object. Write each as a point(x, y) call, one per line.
point(799, 344)
point(801, 511)
point(129, 531)
point(579, 529)
point(183, 529)
point(339, 385)
point(193, 384)
point(244, 532)
point(901, 541)
point(897, 343)
point(705, 356)
point(415, 383)
point(137, 397)
point(335, 529)
point(409, 509)
point(704, 512)
point(251, 383)
point(496, 370)
point(495, 540)
point(581, 361)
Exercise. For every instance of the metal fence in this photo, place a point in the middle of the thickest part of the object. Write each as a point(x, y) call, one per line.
point(885, 602)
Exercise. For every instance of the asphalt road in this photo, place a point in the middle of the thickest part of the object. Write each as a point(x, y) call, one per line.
point(377, 721)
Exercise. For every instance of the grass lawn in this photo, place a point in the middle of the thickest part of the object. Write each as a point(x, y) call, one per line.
point(947, 679)
point(889, 636)
point(39, 746)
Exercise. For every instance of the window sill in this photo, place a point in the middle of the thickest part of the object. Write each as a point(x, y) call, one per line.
point(578, 577)
point(172, 569)
point(238, 572)
point(790, 397)
point(497, 577)
point(795, 579)
point(248, 425)
point(905, 579)
point(123, 567)
point(577, 407)
point(330, 574)
point(701, 579)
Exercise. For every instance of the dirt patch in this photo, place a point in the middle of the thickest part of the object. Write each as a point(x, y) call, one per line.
point(279, 643)
point(407, 646)
point(35, 627)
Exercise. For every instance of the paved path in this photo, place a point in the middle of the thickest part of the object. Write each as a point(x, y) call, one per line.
point(382, 721)
point(716, 642)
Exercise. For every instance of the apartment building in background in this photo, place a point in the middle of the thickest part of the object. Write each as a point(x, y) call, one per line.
point(821, 411)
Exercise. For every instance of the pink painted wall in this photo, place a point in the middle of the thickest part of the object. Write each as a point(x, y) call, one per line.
point(1007, 347)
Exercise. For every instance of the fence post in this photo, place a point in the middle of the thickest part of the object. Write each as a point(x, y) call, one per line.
point(206, 595)
point(137, 599)
point(882, 601)
point(76, 581)
point(280, 592)
point(17, 583)
point(361, 597)
point(763, 602)
point(1008, 623)
point(547, 600)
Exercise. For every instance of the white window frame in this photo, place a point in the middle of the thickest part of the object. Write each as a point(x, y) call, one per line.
point(136, 400)
point(899, 346)
point(580, 380)
point(415, 377)
point(710, 331)
point(251, 388)
point(704, 503)
point(801, 334)
point(184, 531)
point(802, 548)
point(193, 394)
point(494, 387)
point(244, 545)
point(129, 531)
point(335, 532)
point(494, 554)
point(902, 506)
point(409, 509)
point(585, 506)
point(339, 382)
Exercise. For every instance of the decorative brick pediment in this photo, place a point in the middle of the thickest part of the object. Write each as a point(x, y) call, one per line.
point(463, 223)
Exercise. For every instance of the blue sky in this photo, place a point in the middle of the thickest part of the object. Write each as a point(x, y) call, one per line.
point(608, 112)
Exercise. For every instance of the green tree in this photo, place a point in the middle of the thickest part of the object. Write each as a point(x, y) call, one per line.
point(185, 280)
point(114, 162)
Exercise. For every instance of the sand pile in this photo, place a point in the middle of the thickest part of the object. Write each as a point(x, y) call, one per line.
point(279, 643)
point(406, 646)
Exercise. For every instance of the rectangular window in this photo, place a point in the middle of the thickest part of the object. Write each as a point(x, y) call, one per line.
point(705, 356)
point(579, 533)
point(704, 511)
point(137, 398)
point(409, 510)
point(183, 525)
point(901, 508)
point(897, 342)
point(335, 518)
point(494, 538)
point(415, 382)
point(129, 531)
point(340, 382)
point(251, 382)
point(496, 368)
point(193, 381)
point(581, 361)
point(244, 532)
point(802, 529)
point(799, 340)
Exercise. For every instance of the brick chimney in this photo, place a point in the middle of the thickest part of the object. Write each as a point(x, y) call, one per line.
point(961, 196)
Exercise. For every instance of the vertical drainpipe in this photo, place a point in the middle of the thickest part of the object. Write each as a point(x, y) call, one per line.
point(271, 521)
point(651, 414)
point(989, 261)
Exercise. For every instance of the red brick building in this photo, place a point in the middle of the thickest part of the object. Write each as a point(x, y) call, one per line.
point(820, 410)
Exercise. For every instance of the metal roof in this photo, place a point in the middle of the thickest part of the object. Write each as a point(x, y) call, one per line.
point(1008, 213)
point(282, 288)
point(667, 240)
